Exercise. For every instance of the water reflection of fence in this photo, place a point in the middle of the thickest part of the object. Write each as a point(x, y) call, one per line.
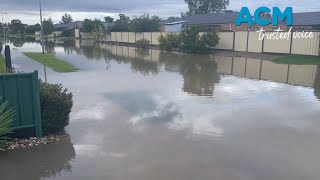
point(301, 75)
point(237, 41)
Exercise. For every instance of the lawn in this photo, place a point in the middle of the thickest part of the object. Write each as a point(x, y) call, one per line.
point(297, 59)
point(2, 64)
point(51, 61)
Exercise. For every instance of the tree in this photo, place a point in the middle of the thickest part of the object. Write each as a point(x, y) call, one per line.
point(108, 19)
point(66, 18)
point(122, 24)
point(206, 6)
point(48, 27)
point(98, 32)
point(33, 28)
point(17, 27)
point(145, 23)
point(88, 25)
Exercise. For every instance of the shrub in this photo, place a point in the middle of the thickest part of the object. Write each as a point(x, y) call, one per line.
point(190, 41)
point(56, 104)
point(6, 120)
point(169, 42)
point(143, 43)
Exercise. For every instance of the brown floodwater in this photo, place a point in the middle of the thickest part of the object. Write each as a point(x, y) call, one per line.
point(143, 114)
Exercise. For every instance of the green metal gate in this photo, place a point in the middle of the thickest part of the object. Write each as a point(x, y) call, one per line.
point(21, 90)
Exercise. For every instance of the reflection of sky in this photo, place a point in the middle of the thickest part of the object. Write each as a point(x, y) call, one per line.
point(280, 104)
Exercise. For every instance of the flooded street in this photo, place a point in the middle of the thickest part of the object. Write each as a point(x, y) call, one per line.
point(142, 115)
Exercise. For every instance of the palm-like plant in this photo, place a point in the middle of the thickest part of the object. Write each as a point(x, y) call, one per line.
point(6, 120)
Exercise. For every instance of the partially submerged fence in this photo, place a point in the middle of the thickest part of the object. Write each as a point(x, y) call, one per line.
point(243, 41)
point(22, 92)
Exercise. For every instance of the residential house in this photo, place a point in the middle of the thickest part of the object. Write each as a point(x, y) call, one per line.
point(166, 25)
point(225, 21)
point(73, 28)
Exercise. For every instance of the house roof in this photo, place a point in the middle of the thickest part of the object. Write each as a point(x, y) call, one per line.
point(171, 20)
point(306, 18)
point(299, 19)
point(214, 18)
point(178, 22)
point(69, 26)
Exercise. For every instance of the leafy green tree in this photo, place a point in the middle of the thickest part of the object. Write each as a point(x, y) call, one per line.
point(121, 25)
point(88, 25)
point(17, 27)
point(145, 23)
point(48, 27)
point(206, 6)
point(32, 28)
point(66, 18)
point(98, 32)
point(108, 19)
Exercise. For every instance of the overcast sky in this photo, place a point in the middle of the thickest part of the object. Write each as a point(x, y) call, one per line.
point(28, 10)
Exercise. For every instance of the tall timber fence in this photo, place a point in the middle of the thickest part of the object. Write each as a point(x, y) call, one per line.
point(242, 41)
point(22, 92)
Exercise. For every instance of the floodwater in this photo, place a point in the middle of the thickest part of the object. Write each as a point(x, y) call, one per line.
point(146, 115)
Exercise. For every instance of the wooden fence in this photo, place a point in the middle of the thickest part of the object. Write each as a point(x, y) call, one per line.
point(22, 92)
point(242, 41)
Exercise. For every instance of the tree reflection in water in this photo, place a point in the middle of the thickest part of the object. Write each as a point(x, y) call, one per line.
point(199, 72)
point(20, 41)
point(49, 47)
point(38, 162)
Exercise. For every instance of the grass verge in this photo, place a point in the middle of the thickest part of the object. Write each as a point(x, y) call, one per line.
point(2, 64)
point(297, 59)
point(51, 61)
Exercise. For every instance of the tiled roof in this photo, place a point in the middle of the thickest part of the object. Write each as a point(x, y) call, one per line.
point(306, 18)
point(69, 25)
point(214, 18)
point(299, 19)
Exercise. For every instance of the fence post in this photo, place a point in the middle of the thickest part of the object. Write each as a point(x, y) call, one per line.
point(248, 34)
point(232, 65)
point(262, 46)
point(290, 50)
point(260, 73)
point(7, 55)
point(36, 104)
point(234, 39)
point(151, 42)
point(121, 37)
point(135, 37)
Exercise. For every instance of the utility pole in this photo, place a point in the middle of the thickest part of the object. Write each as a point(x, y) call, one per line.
point(3, 31)
point(41, 34)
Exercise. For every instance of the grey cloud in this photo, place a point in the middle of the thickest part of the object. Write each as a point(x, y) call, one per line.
point(27, 10)
point(88, 6)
